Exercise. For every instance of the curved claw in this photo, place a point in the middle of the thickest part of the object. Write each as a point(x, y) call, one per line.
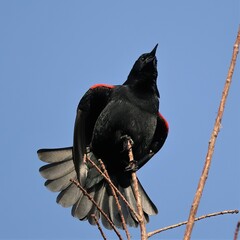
point(132, 166)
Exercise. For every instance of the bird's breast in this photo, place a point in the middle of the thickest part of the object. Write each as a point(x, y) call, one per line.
point(124, 118)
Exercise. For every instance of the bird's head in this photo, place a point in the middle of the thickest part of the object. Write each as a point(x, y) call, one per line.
point(146, 65)
point(144, 72)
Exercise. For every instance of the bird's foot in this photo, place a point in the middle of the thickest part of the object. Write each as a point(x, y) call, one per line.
point(88, 149)
point(132, 166)
point(126, 140)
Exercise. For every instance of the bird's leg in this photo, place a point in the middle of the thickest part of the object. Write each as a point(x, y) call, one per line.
point(125, 139)
point(127, 145)
point(86, 154)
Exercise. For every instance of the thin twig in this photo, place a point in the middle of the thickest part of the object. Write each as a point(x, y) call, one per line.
point(117, 201)
point(112, 185)
point(236, 231)
point(137, 196)
point(99, 209)
point(150, 234)
point(212, 142)
point(99, 227)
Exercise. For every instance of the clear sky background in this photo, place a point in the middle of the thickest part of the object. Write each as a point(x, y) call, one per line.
point(51, 52)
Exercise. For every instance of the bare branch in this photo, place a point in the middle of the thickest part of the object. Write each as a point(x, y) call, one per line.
point(99, 227)
point(150, 234)
point(212, 142)
point(99, 209)
point(117, 201)
point(137, 196)
point(236, 231)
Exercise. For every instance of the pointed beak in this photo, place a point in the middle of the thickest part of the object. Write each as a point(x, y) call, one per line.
point(153, 52)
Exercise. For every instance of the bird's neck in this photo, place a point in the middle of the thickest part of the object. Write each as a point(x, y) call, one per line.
point(143, 84)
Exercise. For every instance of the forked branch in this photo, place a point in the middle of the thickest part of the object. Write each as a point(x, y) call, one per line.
point(212, 142)
point(150, 234)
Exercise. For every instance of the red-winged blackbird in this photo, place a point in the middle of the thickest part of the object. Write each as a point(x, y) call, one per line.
point(106, 117)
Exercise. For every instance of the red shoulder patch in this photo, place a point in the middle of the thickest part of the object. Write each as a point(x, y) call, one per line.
point(101, 85)
point(165, 121)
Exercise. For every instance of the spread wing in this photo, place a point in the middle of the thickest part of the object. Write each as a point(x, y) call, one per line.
point(89, 108)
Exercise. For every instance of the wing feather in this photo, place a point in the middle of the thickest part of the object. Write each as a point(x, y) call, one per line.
point(89, 108)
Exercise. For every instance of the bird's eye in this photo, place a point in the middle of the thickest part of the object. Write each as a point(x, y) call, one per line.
point(142, 58)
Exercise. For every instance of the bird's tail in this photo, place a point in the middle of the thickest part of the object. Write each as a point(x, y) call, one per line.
point(60, 169)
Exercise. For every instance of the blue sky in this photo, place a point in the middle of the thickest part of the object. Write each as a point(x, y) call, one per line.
point(51, 52)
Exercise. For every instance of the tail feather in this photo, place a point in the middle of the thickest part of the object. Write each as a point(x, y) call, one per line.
point(146, 217)
point(69, 196)
point(125, 210)
point(61, 183)
point(113, 212)
point(128, 193)
point(98, 199)
point(148, 206)
point(60, 169)
point(55, 155)
point(132, 201)
point(105, 207)
point(56, 170)
point(76, 208)
point(92, 180)
point(84, 206)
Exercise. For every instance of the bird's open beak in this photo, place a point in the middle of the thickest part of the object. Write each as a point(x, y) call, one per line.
point(153, 52)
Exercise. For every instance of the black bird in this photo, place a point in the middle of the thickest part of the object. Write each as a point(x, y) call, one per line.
point(107, 116)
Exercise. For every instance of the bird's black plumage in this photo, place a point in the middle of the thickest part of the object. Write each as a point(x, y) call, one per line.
point(105, 115)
